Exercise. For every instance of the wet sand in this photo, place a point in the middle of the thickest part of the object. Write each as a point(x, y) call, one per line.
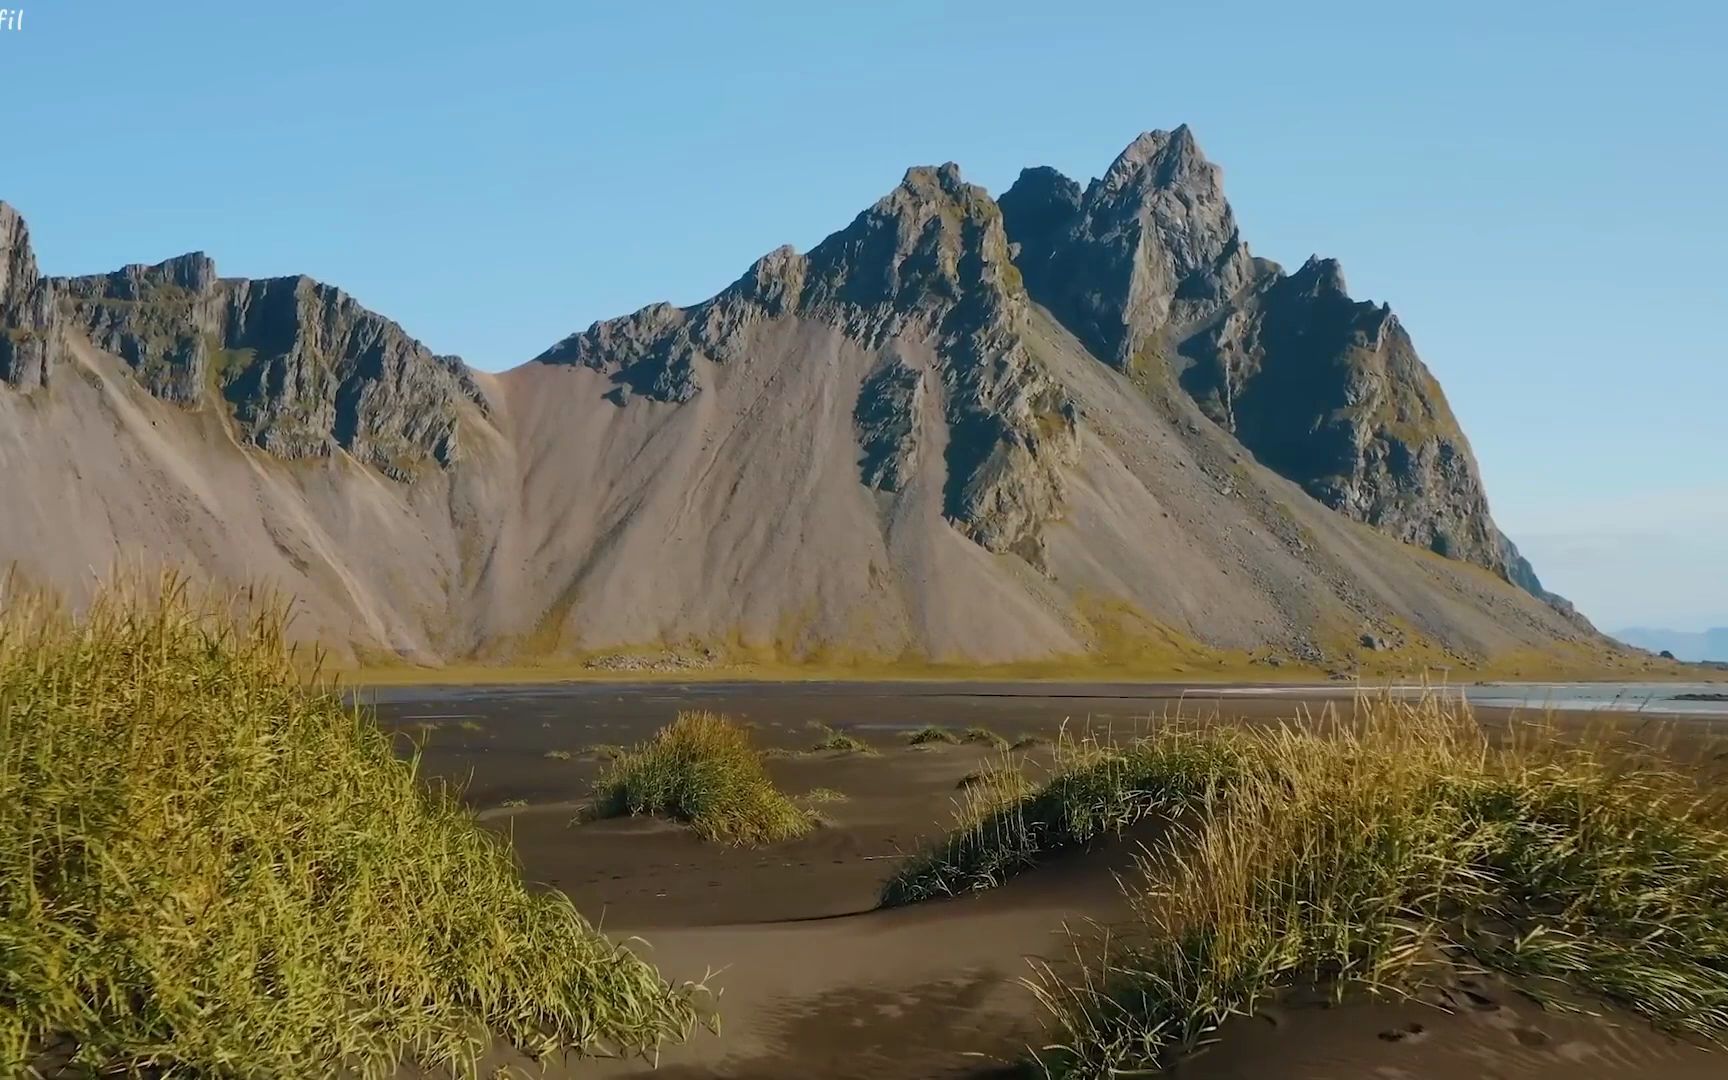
point(815, 982)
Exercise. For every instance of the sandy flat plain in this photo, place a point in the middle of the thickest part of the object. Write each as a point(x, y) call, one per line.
point(814, 981)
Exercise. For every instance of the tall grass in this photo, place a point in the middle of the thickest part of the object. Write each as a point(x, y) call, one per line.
point(208, 868)
point(1375, 851)
point(702, 770)
point(1095, 792)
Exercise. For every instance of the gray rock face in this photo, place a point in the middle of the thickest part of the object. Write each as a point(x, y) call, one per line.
point(886, 417)
point(928, 262)
point(305, 369)
point(30, 334)
point(1148, 269)
point(1330, 392)
point(1146, 251)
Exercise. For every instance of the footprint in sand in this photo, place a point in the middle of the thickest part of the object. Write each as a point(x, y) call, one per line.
point(1411, 1033)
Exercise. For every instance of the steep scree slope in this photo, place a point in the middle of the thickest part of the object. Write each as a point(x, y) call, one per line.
point(1083, 424)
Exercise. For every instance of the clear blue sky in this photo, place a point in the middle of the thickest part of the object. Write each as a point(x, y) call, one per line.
point(1540, 189)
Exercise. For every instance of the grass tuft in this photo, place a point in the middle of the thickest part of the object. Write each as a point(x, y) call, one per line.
point(986, 736)
point(702, 770)
point(840, 742)
point(1380, 850)
point(931, 734)
point(208, 867)
point(1095, 792)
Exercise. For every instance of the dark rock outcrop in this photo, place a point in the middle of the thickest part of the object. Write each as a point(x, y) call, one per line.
point(886, 417)
point(1329, 391)
point(30, 335)
point(1147, 250)
point(1147, 268)
point(928, 262)
point(304, 368)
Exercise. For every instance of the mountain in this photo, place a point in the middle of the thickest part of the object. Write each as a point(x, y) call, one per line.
point(1710, 645)
point(1148, 269)
point(1078, 423)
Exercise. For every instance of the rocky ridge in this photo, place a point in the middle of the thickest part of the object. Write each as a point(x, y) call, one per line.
point(1075, 422)
point(305, 369)
point(927, 264)
point(1147, 267)
point(30, 334)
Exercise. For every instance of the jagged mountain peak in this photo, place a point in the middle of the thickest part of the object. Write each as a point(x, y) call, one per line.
point(1147, 267)
point(1149, 249)
point(930, 241)
point(17, 258)
point(1042, 185)
point(924, 271)
point(301, 367)
point(1320, 275)
point(1161, 159)
point(928, 179)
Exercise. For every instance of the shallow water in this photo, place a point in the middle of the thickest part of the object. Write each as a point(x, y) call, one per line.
point(1630, 697)
point(1657, 698)
point(902, 705)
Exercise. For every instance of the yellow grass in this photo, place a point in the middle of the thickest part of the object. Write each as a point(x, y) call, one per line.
point(702, 770)
point(1375, 850)
point(208, 868)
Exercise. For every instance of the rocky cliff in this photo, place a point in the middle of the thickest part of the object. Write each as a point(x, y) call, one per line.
point(924, 271)
point(1146, 266)
point(30, 336)
point(304, 369)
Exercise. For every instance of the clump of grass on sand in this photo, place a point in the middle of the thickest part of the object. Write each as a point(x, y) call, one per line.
point(1380, 850)
point(931, 734)
point(702, 770)
point(1096, 791)
point(207, 866)
point(984, 735)
point(839, 742)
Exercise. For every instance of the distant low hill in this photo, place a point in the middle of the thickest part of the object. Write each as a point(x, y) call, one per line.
point(1711, 644)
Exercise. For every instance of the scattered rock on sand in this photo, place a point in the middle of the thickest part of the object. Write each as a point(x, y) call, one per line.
point(651, 662)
